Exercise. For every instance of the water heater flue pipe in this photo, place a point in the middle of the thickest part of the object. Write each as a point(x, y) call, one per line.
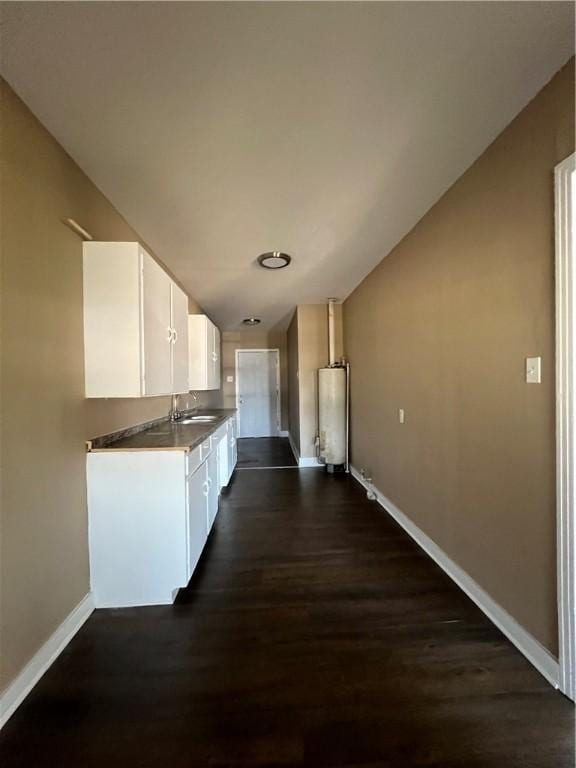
point(331, 340)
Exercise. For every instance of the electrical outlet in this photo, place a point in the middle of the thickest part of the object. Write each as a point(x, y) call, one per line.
point(401, 415)
point(533, 370)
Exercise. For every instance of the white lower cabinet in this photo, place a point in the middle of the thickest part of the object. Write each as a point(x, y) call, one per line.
point(150, 513)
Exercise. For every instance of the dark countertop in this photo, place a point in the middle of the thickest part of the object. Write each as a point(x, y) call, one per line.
point(163, 435)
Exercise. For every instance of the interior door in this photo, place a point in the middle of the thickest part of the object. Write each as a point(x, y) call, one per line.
point(258, 395)
point(180, 343)
point(157, 328)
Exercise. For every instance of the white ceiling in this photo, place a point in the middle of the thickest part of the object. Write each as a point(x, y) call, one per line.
point(326, 130)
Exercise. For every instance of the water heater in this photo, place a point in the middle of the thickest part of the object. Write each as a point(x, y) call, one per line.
point(332, 416)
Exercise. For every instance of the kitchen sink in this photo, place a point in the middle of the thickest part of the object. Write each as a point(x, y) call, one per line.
point(197, 419)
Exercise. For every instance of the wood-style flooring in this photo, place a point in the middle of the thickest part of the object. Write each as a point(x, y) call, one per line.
point(261, 452)
point(314, 633)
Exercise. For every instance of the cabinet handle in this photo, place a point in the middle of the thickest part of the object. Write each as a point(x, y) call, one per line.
point(170, 333)
point(174, 335)
point(206, 487)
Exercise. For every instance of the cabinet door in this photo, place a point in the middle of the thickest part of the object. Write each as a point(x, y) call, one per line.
point(179, 340)
point(197, 516)
point(213, 490)
point(210, 355)
point(223, 474)
point(216, 359)
point(156, 328)
point(231, 455)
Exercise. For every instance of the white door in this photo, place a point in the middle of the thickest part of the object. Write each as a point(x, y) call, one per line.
point(197, 516)
point(157, 328)
point(180, 340)
point(258, 392)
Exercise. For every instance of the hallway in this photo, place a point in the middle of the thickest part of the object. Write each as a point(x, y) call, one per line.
point(264, 452)
point(314, 633)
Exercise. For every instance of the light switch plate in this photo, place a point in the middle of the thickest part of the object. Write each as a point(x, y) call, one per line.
point(533, 370)
point(229, 379)
point(401, 415)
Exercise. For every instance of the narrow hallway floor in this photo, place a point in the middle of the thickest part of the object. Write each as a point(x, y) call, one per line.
point(264, 452)
point(314, 633)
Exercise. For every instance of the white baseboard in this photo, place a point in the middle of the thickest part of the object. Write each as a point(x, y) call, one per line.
point(283, 433)
point(534, 651)
point(302, 462)
point(309, 462)
point(17, 691)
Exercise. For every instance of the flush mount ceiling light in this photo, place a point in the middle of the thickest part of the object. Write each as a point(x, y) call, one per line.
point(274, 260)
point(251, 321)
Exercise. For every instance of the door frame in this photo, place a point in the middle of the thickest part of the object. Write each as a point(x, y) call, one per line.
point(565, 426)
point(276, 350)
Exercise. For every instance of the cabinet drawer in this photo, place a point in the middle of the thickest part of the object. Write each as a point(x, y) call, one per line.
point(194, 460)
point(218, 435)
point(205, 449)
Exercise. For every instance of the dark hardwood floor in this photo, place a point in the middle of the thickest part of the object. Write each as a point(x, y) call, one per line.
point(314, 633)
point(261, 452)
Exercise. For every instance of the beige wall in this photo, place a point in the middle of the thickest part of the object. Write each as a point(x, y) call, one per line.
point(43, 535)
point(312, 354)
point(252, 338)
point(442, 328)
point(308, 351)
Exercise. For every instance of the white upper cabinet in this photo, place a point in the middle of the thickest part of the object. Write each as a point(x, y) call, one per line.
point(135, 324)
point(204, 345)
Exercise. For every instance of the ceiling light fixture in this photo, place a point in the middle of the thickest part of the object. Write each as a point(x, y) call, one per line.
point(251, 321)
point(274, 260)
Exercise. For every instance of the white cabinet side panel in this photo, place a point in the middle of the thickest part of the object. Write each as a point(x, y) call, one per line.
point(198, 351)
point(111, 320)
point(137, 526)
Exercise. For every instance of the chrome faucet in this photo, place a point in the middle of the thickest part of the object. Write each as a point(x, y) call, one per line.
point(174, 414)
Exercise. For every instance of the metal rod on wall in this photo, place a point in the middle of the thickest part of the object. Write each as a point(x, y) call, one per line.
point(77, 229)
